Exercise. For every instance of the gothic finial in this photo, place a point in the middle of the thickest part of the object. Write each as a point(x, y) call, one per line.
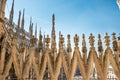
point(22, 24)
point(53, 26)
point(40, 41)
point(36, 31)
point(30, 21)
point(91, 40)
point(83, 36)
point(31, 27)
point(68, 37)
point(33, 41)
point(40, 33)
point(100, 48)
point(76, 40)
point(19, 19)
point(11, 13)
point(47, 40)
point(44, 41)
point(84, 49)
point(115, 46)
point(59, 38)
point(83, 42)
point(99, 37)
point(61, 41)
point(14, 41)
point(69, 44)
point(53, 36)
point(114, 37)
point(107, 40)
point(22, 45)
point(23, 39)
point(53, 23)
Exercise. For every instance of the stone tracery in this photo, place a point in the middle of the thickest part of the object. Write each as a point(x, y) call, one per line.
point(23, 58)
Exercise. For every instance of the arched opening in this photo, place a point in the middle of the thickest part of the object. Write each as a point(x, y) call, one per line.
point(46, 74)
point(62, 75)
point(94, 75)
point(32, 75)
point(12, 75)
point(77, 75)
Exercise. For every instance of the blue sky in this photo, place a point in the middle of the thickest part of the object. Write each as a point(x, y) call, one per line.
point(71, 16)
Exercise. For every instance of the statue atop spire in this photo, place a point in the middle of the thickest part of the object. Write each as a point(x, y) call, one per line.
point(53, 41)
point(2, 10)
point(22, 23)
point(53, 23)
point(40, 46)
point(11, 14)
point(40, 33)
point(18, 25)
point(44, 42)
point(53, 38)
point(53, 28)
point(31, 27)
point(19, 19)
point(36, 31)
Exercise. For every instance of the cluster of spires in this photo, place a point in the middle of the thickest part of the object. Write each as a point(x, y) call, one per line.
point(53, 35)
point(42, 45)
point(31, 23)
point(21, 21)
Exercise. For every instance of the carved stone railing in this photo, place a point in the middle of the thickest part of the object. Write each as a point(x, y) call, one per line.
point(23, 59)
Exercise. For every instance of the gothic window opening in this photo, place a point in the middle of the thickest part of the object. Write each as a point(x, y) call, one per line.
point(94, 74)
point(46, 74)
point(77, 75)
point(31, 74)
point(12, 75)
point(62, 75)
point(7, 57)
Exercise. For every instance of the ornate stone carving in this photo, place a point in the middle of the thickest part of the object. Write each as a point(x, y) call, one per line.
point(84, 49)
point(115, 46)
point(100, 48)
point(91, 40)
point(107, 40)
point(68, 63)
point(76, 40)
point(61, 41)
point(32, 41)
point(40, 43)
point(47, 40)
point(23, 44)
point(69, 49)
